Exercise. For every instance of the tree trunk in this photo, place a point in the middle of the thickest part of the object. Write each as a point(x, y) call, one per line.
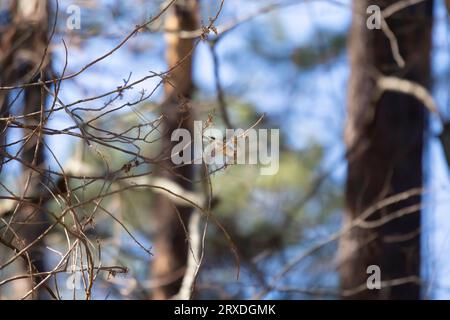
point(385, 138)
point(170, 243)
point(23, 60)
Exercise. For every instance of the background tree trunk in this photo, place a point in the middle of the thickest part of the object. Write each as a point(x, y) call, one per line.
point(170, 243)
point(23, 60)
point(384, 137)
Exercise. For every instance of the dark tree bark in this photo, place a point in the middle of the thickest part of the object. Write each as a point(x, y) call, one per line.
point(170, 243)
point(24, 60)
point(385, 138)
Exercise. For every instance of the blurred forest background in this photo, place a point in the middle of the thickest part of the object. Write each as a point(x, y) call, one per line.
point(92, 208)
